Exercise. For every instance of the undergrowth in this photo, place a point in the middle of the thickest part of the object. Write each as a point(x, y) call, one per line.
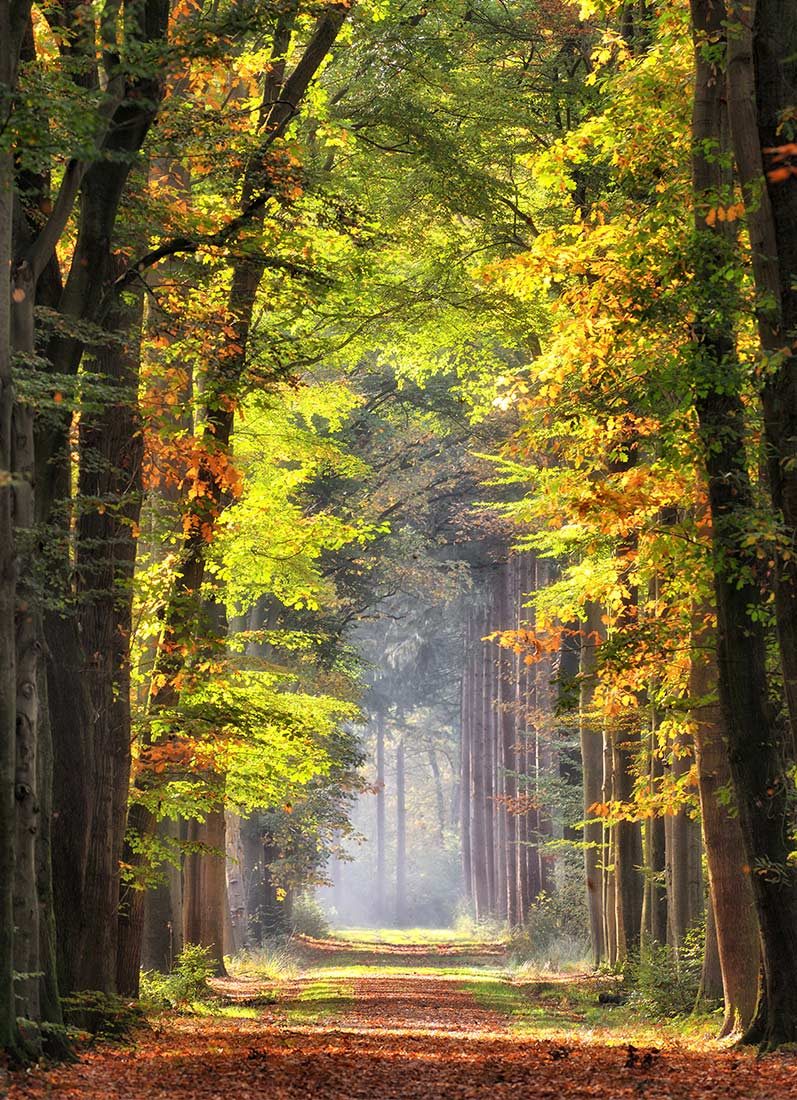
point(269, 963)
point(188, 982)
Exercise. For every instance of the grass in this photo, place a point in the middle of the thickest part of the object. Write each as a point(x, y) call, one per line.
point(230, 1011)
point(317, 1001)
point(267, 964)
point(417, 937)
point(568, 1007)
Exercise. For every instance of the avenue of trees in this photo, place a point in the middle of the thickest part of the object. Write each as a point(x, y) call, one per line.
point(424, 368)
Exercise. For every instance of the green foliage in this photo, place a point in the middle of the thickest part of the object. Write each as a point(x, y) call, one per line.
point(308, 918)
point(272, 962)
point(186, 984)
point(665, 982)
point(103, 1015)
point(554, 933)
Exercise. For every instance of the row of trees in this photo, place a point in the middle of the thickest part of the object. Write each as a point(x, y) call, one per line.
point(255, 291)
point(649, 256)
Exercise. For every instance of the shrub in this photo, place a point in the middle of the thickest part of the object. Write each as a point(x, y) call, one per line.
point(553, 934)
point(665, 983)
point(187, 982)
point(308, 918)
point(103, 1015)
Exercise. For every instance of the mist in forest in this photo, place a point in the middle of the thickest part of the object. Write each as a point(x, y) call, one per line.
point(424, 886)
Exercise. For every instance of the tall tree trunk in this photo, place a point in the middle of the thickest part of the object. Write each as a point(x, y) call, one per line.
point(592, 764)
point(508, 720)
point(111, 447)
point(731, 898)
point(28, 647)
point(10, 40)
point(237, 872)
point(488, 730)
point(205, 886)
point(465, 754)
point(163, 908)
point(381, 865)
point(710, 989)
point(401, 837)
point(608, 855)
point(440, 801)
point(761, 75)
point(759, 757)
point(55, 1042)
point(677, 856)
point(656, 854)
point(479, 806)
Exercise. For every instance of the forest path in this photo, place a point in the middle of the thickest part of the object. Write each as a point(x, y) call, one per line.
point(413, 1021)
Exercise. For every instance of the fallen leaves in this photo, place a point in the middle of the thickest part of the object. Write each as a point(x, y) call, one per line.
point(412, 1036)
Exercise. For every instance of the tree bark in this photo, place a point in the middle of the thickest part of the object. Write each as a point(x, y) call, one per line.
point(401, 838)
point(761, 74)
point(592, 764)
point(11, 31)
point(205, 887)
point(732, 905)
point(381, 864)
point(759, 757)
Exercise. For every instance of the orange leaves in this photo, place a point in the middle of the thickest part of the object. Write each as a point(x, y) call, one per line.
point(177, 755)
point(725, 213)
point(783, 157)
point(533, 645)
point(203, 475)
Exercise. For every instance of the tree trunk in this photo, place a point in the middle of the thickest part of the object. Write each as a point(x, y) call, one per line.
point(508, 722)
point(732, 905)
point(761, 72)
point(9, 52)
point(711, 987)
point(592, 764)
point(608, 856)
point(205, 887)
point(381, 865)
point(401, 838)
point(236, 884)
point(481, 890)
point(677, 857)
point(759, 758)
point(163, 909)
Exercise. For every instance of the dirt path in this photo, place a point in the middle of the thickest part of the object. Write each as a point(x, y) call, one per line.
point(405, 1032)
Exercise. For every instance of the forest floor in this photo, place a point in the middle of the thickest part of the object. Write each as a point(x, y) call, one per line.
point(383, 1017)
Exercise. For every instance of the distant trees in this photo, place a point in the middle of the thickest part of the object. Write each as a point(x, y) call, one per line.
point(263, 312)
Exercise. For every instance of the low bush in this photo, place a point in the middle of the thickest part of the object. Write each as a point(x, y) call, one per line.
point(551, 936)
point(101, 1015)
point(664, 982)
point(187, 983)
point(308, 918)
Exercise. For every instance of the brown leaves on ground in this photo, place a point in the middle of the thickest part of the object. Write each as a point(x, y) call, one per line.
point(408, 1036)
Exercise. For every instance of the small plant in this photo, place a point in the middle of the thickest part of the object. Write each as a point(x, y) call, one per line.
point(185, 985)
point(309, 919)
point(102, 1015)
point(553, 937)
point(268, 963)
point(665, 983)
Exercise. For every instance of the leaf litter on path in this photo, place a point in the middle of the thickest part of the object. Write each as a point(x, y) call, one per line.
point(408, 1036)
